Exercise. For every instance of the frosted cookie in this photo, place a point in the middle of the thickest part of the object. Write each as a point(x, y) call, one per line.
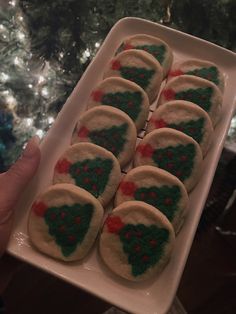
point(64, 222)
point(110, 128)
point(186, 117)
point(153, 45)
point(139, 67)
point(197, 90)
point(136, 241)
point(124, 95)
point(172, 151)
point(90, 167)
point(158, 188)
point(204, 69)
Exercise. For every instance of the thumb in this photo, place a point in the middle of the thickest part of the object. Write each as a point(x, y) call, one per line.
point(12, 184)
point(14, 181)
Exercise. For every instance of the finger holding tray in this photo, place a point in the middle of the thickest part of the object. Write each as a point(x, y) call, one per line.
point(155, 295)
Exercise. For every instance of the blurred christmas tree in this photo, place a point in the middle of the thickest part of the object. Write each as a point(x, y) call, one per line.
point(46, 45)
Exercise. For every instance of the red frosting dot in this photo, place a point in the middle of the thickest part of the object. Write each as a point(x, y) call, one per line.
point(128, 188)
point(98, 170)
point(168, 201)
point(139, 234)
point(39, 208)
point(176, 73)
point(152, 194)
point(115, 65)
point(63, 215)
point(184, 158)
point(145, 258)
point(145, 150)
point(94, 187)
point(169, 154)
point(128, 235)
point(53, 216)
point(128, 46)
point(86, 180)
point(153, 242)
point(114, 224)
point(83, 132)
point(178, 173)
point(77, 220)
point(130, 104)
point(169, 165)
point(63, 166)
point(137, 248)
point(158, 123)
point(71, 238)
point(85, 168)
point(142, 195)
point(97, 95)
point(169, 94)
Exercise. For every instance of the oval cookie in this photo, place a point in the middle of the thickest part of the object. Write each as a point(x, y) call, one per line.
point(186, 117)
point(124, 95)
point(110, 128)
point(172, 151)
point(90, 167)
point(153, 45)
point(158, 188)
point(202, 68)
point(139, 67)
point(64, 222)
point(197, 90)
point(136, 241)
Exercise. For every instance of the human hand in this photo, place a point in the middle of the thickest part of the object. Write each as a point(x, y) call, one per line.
point(12, 184)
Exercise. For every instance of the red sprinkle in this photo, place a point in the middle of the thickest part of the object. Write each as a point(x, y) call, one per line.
point(169, 94)
point(176, 73)
point(83, 132)
point(39, 209)
point(128, 235)
point(115, 65)
point(158, 123)
point(128, 188)
point(145, 150)
point(53, 216)
point(86, 180)
point(85, 168)
point(63, 166)
point(169, 165)
point(97, 95)
point(114, 224)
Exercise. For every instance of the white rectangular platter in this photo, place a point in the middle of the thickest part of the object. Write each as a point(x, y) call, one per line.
point(156, 296)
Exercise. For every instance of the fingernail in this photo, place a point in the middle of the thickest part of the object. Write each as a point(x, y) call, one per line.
point(31, 147)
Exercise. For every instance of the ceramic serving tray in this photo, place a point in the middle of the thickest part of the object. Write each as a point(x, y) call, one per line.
point(155, 296)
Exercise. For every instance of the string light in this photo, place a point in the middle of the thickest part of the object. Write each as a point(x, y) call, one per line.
point(97, 44)
point(50, 120)
point(12, 3)
point(4, 77)
point(44, 92)
point(20, 36)
point(41, 79)
point(39, 133)
point(30, 86)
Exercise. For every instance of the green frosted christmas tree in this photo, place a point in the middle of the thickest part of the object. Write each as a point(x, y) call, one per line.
point(193, 128)
point(210, 74)
point(129, 102)
point(92, 174)
point(144, 245)
point(113, 139)
point(199, 96)
point(140, 76)
point(157, 51)
point(69, 225)
point(178, 160)
point(164, 198)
